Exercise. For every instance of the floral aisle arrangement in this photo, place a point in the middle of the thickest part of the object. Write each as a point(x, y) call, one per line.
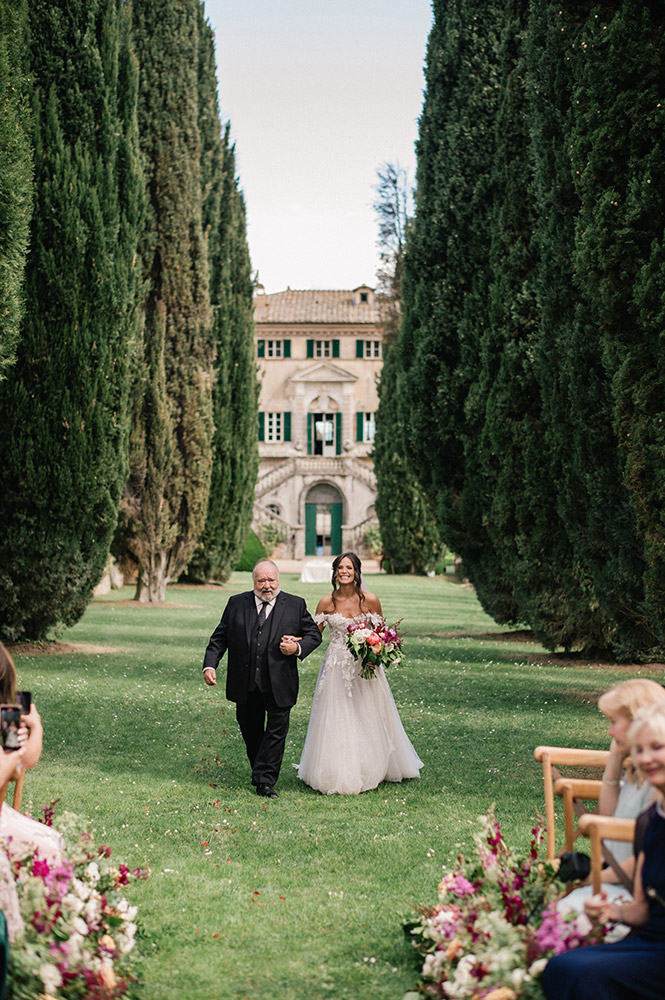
point(79, 929)
point(495, 925)
point(374, 644)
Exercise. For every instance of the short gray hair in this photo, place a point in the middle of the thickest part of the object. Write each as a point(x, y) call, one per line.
point(265, 559)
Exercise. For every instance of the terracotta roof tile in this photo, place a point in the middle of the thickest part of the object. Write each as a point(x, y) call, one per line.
point(293, 306)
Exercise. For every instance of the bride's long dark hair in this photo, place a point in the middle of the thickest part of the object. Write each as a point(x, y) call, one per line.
point(357, 577)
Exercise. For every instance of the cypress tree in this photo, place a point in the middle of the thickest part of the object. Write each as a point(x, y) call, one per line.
point(166, 497)
point(446, 278)
point(617, 146)
point(15, 174)
point(409, 534)
point(235, 456)
point(63, 432)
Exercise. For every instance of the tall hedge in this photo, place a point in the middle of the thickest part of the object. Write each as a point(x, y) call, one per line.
point(235, 388)
point(63, 432)
point(166, 498)
point(446, 275)
point(15, 174)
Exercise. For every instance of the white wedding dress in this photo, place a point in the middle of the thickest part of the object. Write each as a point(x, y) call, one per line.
point(355, 738)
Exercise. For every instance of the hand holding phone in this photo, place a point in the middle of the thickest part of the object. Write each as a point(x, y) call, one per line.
point(10, 721)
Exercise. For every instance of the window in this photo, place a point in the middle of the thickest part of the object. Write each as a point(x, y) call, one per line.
point(323, 348)
point(368, 348)
point(273, 348)
point(364, 297)
point(274, 426)
point(365, 427)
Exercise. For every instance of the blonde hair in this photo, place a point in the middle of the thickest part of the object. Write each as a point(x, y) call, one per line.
point(651, 717)
point(8, 679)
point(630, 697)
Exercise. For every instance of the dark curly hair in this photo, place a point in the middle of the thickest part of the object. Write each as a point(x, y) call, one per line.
point(357, 576)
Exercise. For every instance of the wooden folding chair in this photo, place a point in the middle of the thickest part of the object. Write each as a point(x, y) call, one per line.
point(598, 829)
point(18, 789)
point(550, 758)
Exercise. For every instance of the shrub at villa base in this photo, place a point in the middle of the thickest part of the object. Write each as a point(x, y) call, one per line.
point(495, 926)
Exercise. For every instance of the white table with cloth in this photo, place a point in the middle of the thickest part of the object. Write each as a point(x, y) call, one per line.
point(316, 571)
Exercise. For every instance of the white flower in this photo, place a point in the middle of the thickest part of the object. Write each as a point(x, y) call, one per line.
point(518, 976)
point(93, 909)
point(92, 872)
point(80, 926)
point(126, 911)
point(537, 967)
point(50, 976)
point(72, 904)
point(81, 889)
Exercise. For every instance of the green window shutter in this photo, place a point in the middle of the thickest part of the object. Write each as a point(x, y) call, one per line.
point(310, 529)
point(338, 434)
point(310, 348)
point(360, 420)
point(287, 348)
point(310, 421)
point(335, 348)
point(360, 351)
point(262, 432)
point(261, 348)
point(336, 513)
point(287, 425)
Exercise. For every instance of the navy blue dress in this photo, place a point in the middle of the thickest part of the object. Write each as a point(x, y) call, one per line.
point(631, 969)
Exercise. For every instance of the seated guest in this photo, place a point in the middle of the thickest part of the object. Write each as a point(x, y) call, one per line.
point(623, 794)
point(20, 834)
point(634, 967)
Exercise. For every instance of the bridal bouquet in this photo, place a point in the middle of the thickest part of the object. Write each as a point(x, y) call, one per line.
point(374, 645)
point(495, 925)
point(79, 928)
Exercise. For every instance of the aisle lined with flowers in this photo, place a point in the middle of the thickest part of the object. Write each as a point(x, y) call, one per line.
point(496, 923)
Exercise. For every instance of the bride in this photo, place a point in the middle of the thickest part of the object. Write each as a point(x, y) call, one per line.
point(355, 738)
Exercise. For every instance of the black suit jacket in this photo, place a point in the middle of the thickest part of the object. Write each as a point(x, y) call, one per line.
point(288, 617)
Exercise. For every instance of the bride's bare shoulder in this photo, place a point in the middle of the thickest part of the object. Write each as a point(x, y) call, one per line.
point(372, 602)
point(325, 606)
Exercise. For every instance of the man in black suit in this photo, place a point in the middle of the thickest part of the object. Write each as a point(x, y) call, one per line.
point(265, 632)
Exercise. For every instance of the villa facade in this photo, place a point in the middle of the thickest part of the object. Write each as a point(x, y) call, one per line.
point(319, 354)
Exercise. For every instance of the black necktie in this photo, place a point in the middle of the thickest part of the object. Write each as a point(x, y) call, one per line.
point(262, 614)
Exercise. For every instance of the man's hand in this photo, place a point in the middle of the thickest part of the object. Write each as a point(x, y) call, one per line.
point(210, 676)
point(289, 644)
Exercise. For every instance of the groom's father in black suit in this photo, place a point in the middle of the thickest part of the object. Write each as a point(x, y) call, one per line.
point(265, 632)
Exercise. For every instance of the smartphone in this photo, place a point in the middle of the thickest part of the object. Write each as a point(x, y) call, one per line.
point(10, 720)
point(24, 699)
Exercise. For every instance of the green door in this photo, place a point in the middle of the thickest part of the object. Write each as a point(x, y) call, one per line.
point(336, 528)
point(310, 529)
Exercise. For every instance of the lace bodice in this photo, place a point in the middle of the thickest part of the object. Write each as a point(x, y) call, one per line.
point(338, 656)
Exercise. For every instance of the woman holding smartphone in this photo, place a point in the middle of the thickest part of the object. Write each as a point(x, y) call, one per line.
point(20, 834)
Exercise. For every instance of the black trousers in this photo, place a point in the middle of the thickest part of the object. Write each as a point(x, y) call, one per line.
point(264, 726)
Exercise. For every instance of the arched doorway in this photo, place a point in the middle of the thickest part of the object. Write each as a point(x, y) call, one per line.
point(324, 508)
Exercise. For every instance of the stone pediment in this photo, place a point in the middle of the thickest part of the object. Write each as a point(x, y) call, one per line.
point(324, 371)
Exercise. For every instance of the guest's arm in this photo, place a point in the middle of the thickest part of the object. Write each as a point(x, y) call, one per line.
point(10, 763)
point(609, 789)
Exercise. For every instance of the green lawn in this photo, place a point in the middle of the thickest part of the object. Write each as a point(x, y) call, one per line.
point(302, 897)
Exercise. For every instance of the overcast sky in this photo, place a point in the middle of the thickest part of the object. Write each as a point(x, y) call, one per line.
point(319, 94)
